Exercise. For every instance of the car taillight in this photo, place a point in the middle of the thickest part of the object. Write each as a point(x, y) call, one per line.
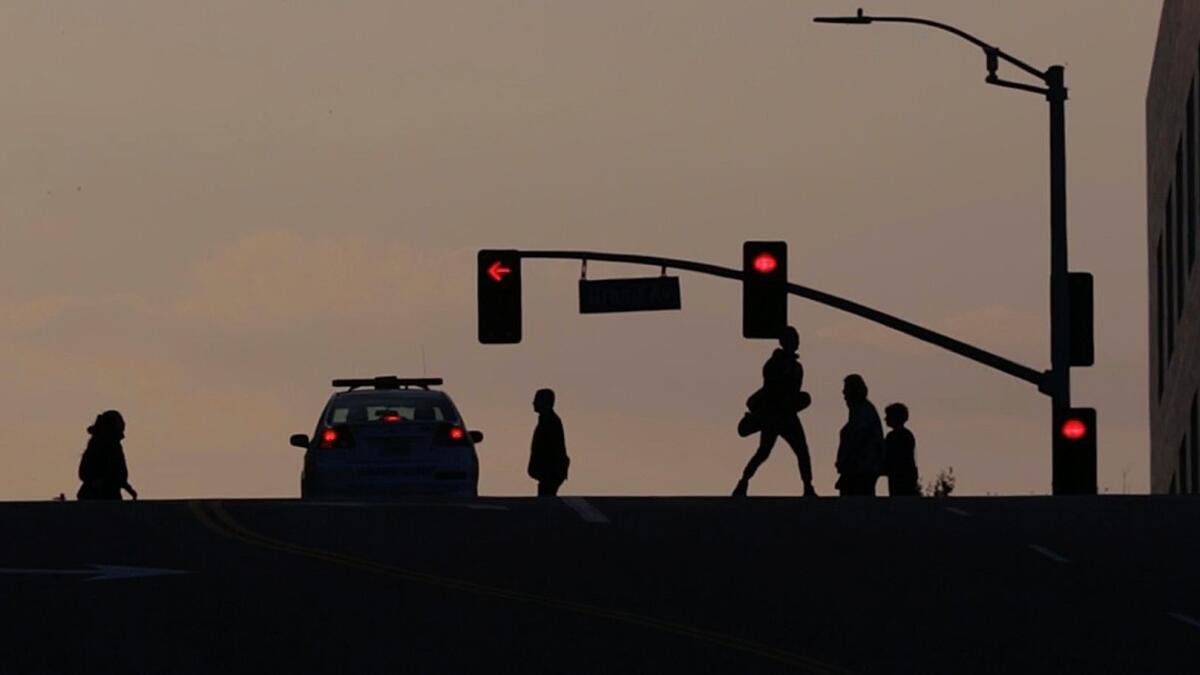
point(452, 434)
point(336, 437)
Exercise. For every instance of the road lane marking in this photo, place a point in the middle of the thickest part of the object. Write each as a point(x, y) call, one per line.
point(98, 572)
point(585, 510)
point(1184, 618)
point(1049, 554)
point(213, 516)
point(957, 511)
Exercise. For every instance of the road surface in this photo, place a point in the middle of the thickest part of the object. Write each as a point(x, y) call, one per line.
point(603, 585)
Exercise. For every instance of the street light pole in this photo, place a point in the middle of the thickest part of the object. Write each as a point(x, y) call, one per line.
point(1057, 381)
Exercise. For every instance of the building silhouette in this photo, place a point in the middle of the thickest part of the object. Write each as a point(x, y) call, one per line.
point(1173, 193)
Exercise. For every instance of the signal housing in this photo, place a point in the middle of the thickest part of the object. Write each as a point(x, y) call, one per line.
point(764, 289)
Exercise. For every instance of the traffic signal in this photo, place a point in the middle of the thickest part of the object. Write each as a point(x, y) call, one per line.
point(764, 289)
point(1083, 350)
point(499, 296)
point(1074, 459)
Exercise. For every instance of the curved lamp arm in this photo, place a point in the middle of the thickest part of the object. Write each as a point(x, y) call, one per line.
point(994, 54)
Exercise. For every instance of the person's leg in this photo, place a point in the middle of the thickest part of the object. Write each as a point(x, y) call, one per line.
point(868, 485)
point(793, 433)
point(845, 485)
point(909, 484)
point(858, 485)
point(766, 441)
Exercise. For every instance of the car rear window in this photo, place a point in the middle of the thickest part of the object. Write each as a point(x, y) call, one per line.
point(363, 410)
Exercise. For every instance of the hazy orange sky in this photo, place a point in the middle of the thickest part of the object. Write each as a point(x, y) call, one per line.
point(209, 210)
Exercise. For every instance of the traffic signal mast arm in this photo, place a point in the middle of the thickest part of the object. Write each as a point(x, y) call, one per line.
point(895, 323)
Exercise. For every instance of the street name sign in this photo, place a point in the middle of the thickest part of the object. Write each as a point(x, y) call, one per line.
point(628, 295)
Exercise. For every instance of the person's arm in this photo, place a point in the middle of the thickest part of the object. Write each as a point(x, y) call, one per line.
point(122, 476)
point(537, 451)
point(560, 437)
point(86, 467)
point(843, 444)
point(856, 441)
point(909, 445)
point(556, 455)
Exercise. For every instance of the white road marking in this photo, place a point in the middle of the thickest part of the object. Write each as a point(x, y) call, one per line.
point(99, 572)
point(1049, 554)
point(1184, 618)
point(585, 510)
point(959, 512)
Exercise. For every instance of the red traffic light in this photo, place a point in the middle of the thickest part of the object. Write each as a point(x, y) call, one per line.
point(1074, 429)
point(498, 271)
point(765, 263)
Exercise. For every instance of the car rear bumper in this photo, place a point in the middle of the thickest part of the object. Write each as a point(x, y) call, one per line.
point(384, 482)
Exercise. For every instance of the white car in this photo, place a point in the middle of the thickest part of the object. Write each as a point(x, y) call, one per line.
point(387, 436)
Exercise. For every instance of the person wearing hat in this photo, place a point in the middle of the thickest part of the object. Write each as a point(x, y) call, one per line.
point(102, 468)
point(774, 412)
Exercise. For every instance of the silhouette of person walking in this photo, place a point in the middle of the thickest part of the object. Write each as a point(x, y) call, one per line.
point(900, 456)
point(860, 444)
point(548, 461)
point(102, 468)
point(776, 408)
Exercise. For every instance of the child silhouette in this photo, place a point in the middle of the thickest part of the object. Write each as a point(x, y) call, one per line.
point(900, 457)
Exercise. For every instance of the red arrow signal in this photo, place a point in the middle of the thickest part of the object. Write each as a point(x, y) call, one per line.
point(498, 270)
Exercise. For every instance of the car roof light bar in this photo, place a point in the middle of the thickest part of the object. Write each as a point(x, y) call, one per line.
point(387, 382)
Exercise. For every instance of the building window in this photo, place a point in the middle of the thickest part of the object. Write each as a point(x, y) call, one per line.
point(1180, 234)
point(1161, 338)
point(1192, 177)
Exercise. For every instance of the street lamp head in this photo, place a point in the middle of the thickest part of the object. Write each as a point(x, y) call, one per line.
point(857, 19)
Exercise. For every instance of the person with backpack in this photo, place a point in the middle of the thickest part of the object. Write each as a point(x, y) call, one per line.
point(102, 468)
point(774, 410)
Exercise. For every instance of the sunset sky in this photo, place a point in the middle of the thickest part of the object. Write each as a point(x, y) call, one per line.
point(209, 210)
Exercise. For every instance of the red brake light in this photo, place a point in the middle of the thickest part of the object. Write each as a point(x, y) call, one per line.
point(457, 434)
point(336, 438)
point(391, 418)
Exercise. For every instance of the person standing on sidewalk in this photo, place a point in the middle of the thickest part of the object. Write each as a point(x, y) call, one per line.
point(548, 461)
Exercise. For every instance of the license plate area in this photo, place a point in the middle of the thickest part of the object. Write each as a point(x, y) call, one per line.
point(394, 447)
